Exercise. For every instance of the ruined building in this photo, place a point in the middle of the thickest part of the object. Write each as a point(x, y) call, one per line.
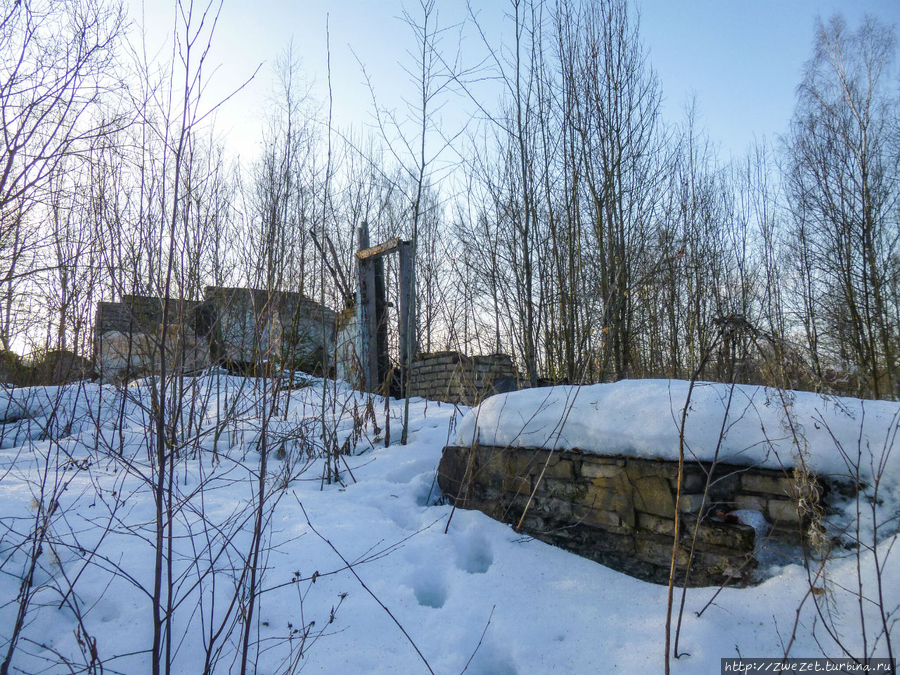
point(238, 328)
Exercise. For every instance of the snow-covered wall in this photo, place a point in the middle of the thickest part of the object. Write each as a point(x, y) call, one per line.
point(740, 424)
point(620, 511)
point(608, 451)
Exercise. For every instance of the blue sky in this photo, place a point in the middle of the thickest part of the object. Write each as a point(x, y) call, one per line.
point(742, 59)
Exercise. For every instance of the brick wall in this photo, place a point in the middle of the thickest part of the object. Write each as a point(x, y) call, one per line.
point(456, 378)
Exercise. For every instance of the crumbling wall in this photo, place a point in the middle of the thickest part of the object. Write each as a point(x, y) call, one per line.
point(620, 511)
point(240, 326)
point(346, 347)
point(128, 335)
point(456, 378)
point(250, 326)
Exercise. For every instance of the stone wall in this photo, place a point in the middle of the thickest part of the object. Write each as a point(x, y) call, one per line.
point(456, 378)
point(620, 511)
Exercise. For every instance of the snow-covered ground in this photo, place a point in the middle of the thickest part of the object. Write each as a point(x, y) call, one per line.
point(427, 588)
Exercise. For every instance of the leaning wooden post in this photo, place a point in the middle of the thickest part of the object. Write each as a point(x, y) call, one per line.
point(368, 320)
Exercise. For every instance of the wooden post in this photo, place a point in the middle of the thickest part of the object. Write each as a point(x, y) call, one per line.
point(372, 311)
point(367, 315)
point(382, 357)
point(407, 329)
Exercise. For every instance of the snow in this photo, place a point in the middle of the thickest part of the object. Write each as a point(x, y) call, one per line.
point(477, 598)
point(643, 417)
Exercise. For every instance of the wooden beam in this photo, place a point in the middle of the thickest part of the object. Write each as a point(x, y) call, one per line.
point(379, 250)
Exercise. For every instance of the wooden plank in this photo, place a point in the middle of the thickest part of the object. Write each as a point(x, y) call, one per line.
point(378, 250)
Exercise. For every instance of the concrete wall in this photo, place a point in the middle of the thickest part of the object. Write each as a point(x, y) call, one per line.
point(346, 347)
point(240, 326)
point(620, 511)
point(252, 326)
point(128, 334)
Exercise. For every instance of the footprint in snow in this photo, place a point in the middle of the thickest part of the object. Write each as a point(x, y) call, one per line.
point(430, 589)
point(473, 554)
point(491, 659)
point(407, 472)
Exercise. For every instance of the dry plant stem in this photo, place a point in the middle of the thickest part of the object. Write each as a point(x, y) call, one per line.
point(325, 195)
point(363, 584)
point(559, 430)
point(470, 464)
point(712, 469)
point(671, 589)
point(813, 578)
point(480, 640)
point(256, 541)
point(386, 389)
point(797, 613)
point(38, 538)
point(885, 615)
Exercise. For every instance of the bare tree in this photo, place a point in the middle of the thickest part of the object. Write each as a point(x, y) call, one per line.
point(843, 187)
point(55, 60)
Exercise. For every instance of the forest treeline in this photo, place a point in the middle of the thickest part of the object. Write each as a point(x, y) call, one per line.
point(566, 224)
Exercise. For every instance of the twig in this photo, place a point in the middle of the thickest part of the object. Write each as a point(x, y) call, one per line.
point(363, 584)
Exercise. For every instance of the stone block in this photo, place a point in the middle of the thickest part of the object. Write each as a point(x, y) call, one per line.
point(452, 469)
point(562, 469)
point(492, 492)
point(656, 525)
point(754, 502)
point(563, 488)
point(642, 468)
point(551, 508)
point(783, 486)
point(533, 461)
point(517, 485)
point(657, 550)
point(580, 537)
point(605, 520)
point(724, 486)
point(694, 480)
point(690, 503)
point(548, 458)
point(715, 568)
point(492, 468)
point(611, 494)
point(592, 469)
point(525, 462)
point(652, 494)
point(784, 512)
point(713, 534)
